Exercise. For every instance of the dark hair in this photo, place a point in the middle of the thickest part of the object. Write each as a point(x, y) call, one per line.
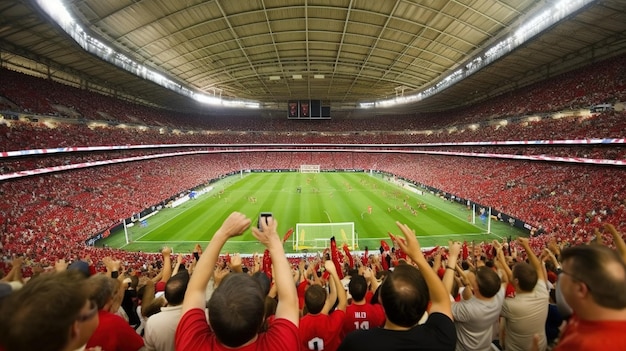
point(270, 307)
point(102, 288)
point(176, 287)
point(404, 295)
point(488, 281)
point(236, 309)
point(602, 270)
point(264, 281)
point(315, 298)
point(357, 287)
point(526, 276)
point(40, 315)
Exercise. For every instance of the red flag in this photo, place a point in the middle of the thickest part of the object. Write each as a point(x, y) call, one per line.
point(346, 250)
point(431, 251)
point(383, 261)
point(287, 235)
point(400, 254)
point(325, 275)
point(365, 258)
point(267, 263)
point(465, 253)
point(334, 255)
point(385, 246)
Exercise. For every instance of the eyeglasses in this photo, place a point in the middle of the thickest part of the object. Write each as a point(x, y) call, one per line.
point(575, 278)
point(93, 310)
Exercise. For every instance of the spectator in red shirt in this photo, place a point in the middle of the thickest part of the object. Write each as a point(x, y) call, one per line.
point(320, 330)
point(593, 283)
point(361, 314)
point(113, 332)
point(236, 308)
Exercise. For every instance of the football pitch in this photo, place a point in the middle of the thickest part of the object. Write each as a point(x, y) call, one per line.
point(308, 198)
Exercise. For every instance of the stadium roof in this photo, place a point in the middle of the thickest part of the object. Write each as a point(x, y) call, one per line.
point(342, 52)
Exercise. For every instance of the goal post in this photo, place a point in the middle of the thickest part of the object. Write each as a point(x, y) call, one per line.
point(309, 168)
point(313, 236)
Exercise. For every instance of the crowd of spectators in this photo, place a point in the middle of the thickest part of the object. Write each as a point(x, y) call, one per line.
point(574, 198)
point(602, 82)
point(46, 219)
point(500, 295)
point(18, 135)
point(52, 215)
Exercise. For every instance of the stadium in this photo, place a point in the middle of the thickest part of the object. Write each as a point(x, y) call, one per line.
point(129, 126)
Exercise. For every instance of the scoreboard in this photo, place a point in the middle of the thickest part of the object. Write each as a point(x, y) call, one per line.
point(307, 109)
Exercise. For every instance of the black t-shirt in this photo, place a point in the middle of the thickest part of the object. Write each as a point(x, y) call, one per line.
point(129, 304)
point(438, 333)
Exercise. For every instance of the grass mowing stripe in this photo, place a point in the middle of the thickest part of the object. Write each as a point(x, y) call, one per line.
point(336, 197)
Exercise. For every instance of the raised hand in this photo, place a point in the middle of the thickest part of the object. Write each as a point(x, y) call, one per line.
point(523, 241)
point(268, 234)
point(454, 249)
point(409, 243)
point(166, 251)
point(330, 266)
point(235, 260)
point(235, 224)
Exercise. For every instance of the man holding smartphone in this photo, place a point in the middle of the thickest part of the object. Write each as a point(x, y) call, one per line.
point(236, 308)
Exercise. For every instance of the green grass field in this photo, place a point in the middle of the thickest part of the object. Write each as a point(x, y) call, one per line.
point(324, 198)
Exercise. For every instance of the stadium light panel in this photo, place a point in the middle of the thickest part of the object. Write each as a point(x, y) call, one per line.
point(56, 9)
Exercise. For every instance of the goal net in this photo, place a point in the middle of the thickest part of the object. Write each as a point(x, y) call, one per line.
point(309, 168)
point(313, 236)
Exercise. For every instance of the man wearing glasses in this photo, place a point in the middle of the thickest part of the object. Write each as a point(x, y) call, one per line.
point(593, 283)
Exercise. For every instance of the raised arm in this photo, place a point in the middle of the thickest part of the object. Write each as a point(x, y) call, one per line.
point(331, 297)
point(234, 225)
point(287, 307)
point(179, 260)
point(453, 256)
point(342, 298)
point(508, 274)
point(437, 260)
point(167, 264)
point(465, 282)
point(618, 240)
point(15, 274)
point(534, 260)
point(368, 274)
point(236, 265)
point(439, 297)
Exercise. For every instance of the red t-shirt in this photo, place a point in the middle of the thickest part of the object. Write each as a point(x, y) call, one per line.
point(592, 335)
point(114, 334)
point(301, 289)
point(321, 331)
point(159, 286)
point(366, 316)
point(193, 333)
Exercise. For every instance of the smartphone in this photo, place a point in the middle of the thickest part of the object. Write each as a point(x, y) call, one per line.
point(263, 217)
